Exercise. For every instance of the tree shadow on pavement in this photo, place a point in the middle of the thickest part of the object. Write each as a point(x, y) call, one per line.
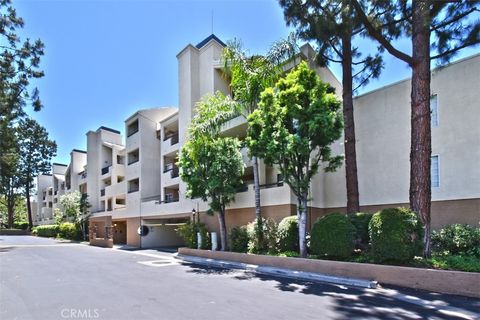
point(358, 303)
point(6, 249)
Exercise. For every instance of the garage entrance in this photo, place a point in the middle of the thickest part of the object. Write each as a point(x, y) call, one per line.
point(162, 232)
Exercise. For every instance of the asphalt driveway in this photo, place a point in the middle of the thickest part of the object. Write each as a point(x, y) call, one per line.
point(47, 279)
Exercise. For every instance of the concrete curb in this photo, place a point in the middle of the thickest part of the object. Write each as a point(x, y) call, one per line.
point(317, 277)
point(279, 272)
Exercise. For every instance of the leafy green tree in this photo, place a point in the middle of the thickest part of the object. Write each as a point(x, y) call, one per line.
point(58, 216)
point(249, 75)
point(75, 207)
point(36, 151)
point(438, 30)
point(210, 165)
point(19, 214)
point(334, 26)
point(294, 126)
point(70, 203)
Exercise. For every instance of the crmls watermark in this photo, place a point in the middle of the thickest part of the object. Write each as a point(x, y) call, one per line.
point(72, 313)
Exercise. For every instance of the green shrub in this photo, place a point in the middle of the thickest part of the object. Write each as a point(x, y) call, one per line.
point(48, 230)
point(239, 239)
point(455, 262)
point(68, 230)
point(23, 225)
point(360, 221)
point(269, 243)
point(288, 234)
point(188, 232)
point(333, 236)
point(457, 239)
point(34, 231)
point(395, 235)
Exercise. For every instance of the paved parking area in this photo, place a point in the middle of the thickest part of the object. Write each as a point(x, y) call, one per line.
point(46, 279)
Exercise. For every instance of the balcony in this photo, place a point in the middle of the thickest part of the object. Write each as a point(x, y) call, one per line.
point(174, 172)
point(173, 138)
point(172, 168)
point(116, 189)
point(132, 128)
point(105, 170)
point(133, 185)
point(170, 198)
point(102, 192)
point(133, 156)
point(242, 188)
point(83, 175)
point(170, 143)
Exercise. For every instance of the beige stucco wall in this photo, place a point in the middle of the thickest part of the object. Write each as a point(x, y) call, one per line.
point(382, 124)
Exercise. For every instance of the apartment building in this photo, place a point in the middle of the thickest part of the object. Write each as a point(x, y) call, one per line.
point(75, 175)
point(50, 187)
point(43, 213)
point(138, 198)
point(383, 144)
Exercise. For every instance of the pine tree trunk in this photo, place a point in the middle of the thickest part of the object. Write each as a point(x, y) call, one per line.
point(29, 207)
point(10, 212)
point(421, 147)
point(258, 214)
point(302, 225)
point(223, 229)
point(353, 202)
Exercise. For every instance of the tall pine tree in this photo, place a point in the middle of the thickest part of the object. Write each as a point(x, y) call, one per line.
point(333, 25)
point(438, 30)
point(36, 151)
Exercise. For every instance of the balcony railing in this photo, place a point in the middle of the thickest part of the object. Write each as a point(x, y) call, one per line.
point(271, 185)
point(133, 190)
point(174, 172)
point(243, 188)
point(132, 131)
point(174, 138)
point(105, 170)
point(171, 199)
point(133, 161)
point(83, 174)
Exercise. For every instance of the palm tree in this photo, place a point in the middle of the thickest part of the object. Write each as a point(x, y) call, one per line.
point(249, 76)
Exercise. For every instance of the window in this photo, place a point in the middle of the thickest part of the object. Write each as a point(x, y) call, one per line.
point(435, 172)
point(434, 111)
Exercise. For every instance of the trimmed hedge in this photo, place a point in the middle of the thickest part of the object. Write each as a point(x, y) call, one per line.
point(360, 221)
point(288, 234)
point(48, 230)
point(22, 225)
point(333, 235)
point(68, 230)
point(457, 239)
point(395, 235)
point(239, 239)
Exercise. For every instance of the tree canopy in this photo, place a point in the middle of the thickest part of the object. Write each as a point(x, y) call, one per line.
point(293, 128)
point(211, 165)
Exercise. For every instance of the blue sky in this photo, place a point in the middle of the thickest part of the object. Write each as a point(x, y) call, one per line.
point(105, 59)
